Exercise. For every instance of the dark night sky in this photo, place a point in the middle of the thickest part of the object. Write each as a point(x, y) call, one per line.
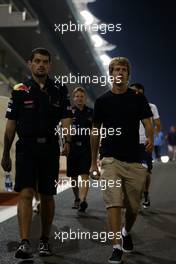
point(148, 40)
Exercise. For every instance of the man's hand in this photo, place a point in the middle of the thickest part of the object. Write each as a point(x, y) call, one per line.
point(6, 163)
point(9, 135)
point(149, 145)
point(66, 149)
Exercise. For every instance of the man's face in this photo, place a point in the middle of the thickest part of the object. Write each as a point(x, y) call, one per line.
point(40, 65)
point(79, 98)
point(120, 74)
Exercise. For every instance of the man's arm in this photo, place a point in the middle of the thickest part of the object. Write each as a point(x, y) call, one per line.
point(95, 142)
point(8, 140)
point(66, 125)
point(149, 134)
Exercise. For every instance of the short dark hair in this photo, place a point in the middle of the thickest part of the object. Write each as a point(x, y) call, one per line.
point(42, 51)
point(138, 86)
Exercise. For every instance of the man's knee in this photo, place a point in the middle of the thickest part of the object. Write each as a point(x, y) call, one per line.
point(27, 194)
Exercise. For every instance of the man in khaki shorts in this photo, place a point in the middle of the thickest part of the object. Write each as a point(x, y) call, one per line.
point(119, 112)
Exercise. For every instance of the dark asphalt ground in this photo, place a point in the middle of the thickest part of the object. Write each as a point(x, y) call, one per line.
point(154, 233)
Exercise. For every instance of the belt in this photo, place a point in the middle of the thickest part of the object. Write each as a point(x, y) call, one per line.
point(39, 140)
point(80, 144)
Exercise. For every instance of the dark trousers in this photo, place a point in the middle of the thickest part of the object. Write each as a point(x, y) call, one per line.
point(157, 150)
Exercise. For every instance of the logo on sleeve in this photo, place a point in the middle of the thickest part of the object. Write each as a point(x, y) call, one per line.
point(9, 110)
point(21, 87)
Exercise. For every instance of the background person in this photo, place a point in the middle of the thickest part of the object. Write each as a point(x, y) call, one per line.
point(146, 157)
point(158, 143)
point(79, 158)
point(171, 139)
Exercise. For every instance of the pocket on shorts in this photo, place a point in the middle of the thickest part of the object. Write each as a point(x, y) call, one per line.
point(107, 161)
point(140, 166)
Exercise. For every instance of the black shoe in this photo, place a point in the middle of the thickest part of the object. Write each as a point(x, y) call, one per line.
point(76, 204)
point(44, 249)
point(24, 250)
point(146, 204)
point(127, 243)
point(116, 256)
point(82, 207)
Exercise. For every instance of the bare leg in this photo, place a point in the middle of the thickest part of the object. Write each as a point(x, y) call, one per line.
point(130, 220)
point(147, 183)
point(75, 187)
point(84, 187)
point(114, 221)
point(47, 214)
point(25, 212)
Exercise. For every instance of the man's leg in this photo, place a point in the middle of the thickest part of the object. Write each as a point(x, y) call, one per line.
point(174, 152)
point(25, 212)
point(170, 152)
point(24, 250)
point(114, 224)
point(84, 187)
point(130, 219)
point(157, 152)
point(83, 190)
point(75, 188)
point(146, 202)
point(47, 214)
point(147, 183)
point(72, 171)
point(135, 179)
point(114, 220)
point(111, 169)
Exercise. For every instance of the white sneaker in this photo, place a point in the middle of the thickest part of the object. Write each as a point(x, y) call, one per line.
point(36, 207)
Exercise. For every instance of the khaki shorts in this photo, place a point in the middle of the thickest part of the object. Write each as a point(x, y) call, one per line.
point(129, 180)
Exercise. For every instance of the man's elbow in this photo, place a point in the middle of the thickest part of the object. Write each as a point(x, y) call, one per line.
point(10, 126)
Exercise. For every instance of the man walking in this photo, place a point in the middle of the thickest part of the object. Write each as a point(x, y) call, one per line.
point(79, 158)
point(34, 111)
point(121, 109)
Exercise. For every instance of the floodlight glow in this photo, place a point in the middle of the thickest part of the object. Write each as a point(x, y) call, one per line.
point(164, 159)
point(98, 41)
point(88, 17)
point(105, 59)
